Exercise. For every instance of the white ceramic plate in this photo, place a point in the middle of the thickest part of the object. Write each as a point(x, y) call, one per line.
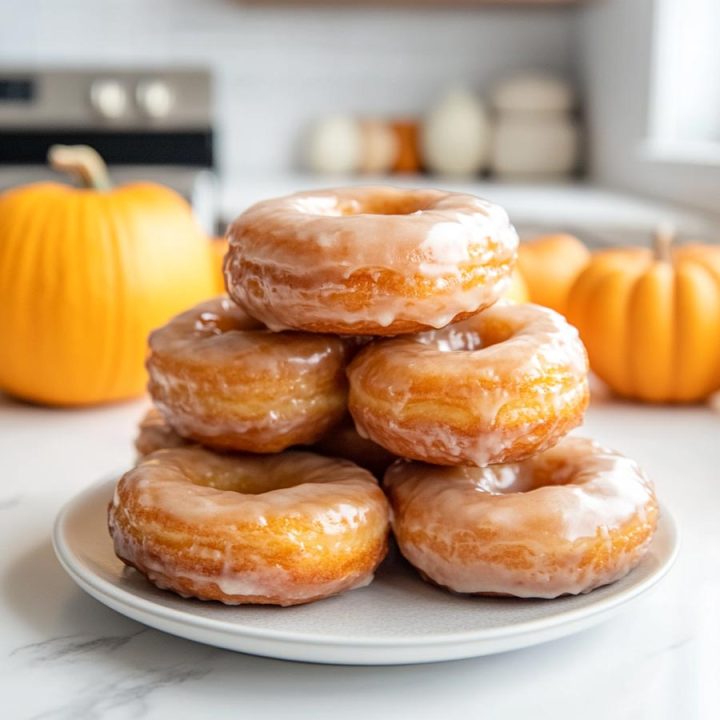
point(398, 619)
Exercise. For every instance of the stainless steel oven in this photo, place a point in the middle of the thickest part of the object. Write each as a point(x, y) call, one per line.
point(147, 124)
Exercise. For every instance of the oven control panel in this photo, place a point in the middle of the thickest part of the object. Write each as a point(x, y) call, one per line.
point(132, 116)
point(16, 90)
point(107, 98)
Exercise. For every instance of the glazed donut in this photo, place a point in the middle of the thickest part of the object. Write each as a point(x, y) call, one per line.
point(222, 379)
point(566, 521)
point(340, 441)
point(155, 434)
point(277, 529)
point(499, 387)
point(369, 261)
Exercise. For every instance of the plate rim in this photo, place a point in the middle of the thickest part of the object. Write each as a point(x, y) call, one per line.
point(87, 580)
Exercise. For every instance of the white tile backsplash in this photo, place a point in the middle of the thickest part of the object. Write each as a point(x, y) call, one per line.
point(277, 68)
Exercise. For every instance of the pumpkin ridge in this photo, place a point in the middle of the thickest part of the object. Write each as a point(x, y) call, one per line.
point(698, 317)
point(73, 328)
point(122, 226)
point(651, 308)
point(627, 348)
point(48, 268)
point(66, 277)
point(13, 256)
point(581, 299)
point(607, 314)
point(24, 357)
point(677, 323)
point(112, 264)
point(710, 260)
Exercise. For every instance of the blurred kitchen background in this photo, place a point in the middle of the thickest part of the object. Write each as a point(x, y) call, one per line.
point(601, 117)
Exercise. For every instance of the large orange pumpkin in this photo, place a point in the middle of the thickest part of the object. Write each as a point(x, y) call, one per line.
point(549, 265)
point(85, 274)
point(651, 320)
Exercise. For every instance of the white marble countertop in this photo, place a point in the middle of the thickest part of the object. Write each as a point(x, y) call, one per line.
point(64, 655)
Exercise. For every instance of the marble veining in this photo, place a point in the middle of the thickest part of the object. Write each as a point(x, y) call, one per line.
point(10, 502)
point(68, 647)
point(129, 693)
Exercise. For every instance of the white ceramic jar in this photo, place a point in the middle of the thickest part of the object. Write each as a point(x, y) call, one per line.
point(535, 135)
point(334, 146)
point(455, 135)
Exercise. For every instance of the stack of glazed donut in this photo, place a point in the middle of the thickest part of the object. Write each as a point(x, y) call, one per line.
point(362, 341)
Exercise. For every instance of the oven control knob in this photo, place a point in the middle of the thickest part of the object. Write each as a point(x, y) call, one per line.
point(109, 98)
point(154, 98)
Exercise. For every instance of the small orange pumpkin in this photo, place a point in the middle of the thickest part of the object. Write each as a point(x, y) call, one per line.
point(650, 320)
point(85, 274)
point(549, 265)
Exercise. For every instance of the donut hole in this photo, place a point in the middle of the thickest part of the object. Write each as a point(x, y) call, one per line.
point(547, 473)
point(213, 324)
point(465, 338)
point(401, 204)
point(254, 476)
point(226, 319)
point(249, 482)
point(397, 203)
point(246, 485)
point(495, 332)
point(505, 479)
point(524, 477)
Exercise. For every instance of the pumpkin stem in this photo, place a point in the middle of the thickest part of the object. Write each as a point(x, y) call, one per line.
point(662, 242)
point(82, 162)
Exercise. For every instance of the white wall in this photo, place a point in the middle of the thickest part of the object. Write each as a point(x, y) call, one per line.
point(277, 68)
point(615, 43)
